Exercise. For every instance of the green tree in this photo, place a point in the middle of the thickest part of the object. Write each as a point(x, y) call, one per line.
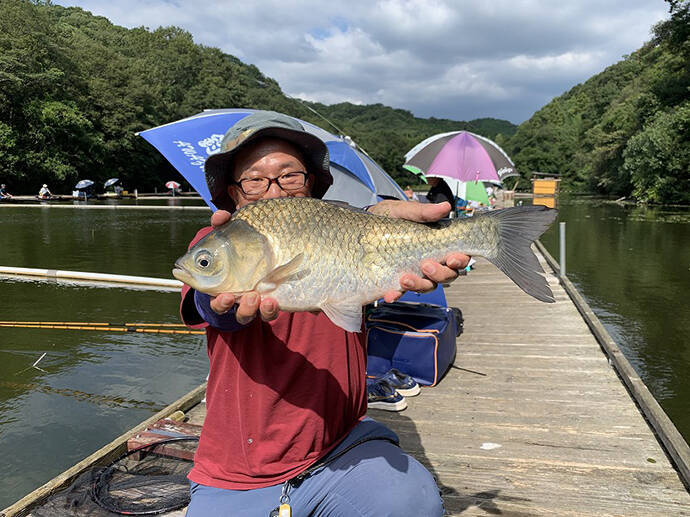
point(658, 158)
point(597, 134)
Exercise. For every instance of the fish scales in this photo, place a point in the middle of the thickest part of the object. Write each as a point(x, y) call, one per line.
point(310, 254)
point(345, 250)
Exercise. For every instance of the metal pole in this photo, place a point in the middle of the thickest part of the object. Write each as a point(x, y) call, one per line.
point(562, 252)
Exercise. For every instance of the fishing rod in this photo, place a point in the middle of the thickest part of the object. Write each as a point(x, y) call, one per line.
point(102, 328)
point(92, 323)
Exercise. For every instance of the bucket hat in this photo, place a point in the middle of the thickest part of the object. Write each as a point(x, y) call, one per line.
point(219, 166)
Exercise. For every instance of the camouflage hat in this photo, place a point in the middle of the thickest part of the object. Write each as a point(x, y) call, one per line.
point(219, 166)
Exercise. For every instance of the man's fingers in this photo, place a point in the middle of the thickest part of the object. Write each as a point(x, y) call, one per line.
point(247, 308)
point(268, 309)
point(222, 303)
point(428, 212)
point(219, 218)
point(410, 282)
point(457, 260)
point(392, 295)
point(412, 210)
point(438, 272)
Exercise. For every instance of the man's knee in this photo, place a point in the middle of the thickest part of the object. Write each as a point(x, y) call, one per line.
point(415, 493)
point(387, 481)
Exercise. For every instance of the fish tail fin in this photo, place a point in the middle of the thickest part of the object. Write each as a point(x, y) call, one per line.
point(517, 228)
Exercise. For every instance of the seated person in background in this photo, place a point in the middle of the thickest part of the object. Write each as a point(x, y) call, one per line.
point(44, 193)
point(3, 192)
point(439, 191)
point(286, 391)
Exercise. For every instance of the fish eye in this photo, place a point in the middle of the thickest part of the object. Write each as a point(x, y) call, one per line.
point(203, 259)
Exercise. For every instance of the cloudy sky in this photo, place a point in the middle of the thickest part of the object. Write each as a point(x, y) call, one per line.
point(455, 59)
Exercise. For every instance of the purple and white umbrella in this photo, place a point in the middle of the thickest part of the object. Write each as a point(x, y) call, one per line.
point(461, 155)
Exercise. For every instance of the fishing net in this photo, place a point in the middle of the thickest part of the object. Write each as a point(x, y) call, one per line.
point(149, 480)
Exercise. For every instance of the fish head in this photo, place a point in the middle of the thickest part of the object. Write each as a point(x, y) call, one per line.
point(231, 259)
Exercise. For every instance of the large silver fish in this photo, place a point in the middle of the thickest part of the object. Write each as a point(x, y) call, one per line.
point(316, 255)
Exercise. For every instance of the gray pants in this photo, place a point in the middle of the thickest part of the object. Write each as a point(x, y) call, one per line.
point(374, 479)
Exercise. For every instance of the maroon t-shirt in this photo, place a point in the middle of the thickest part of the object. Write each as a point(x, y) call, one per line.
point(280, 395)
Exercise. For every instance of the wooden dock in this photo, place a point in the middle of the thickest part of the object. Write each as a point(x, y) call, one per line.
point(532, 419)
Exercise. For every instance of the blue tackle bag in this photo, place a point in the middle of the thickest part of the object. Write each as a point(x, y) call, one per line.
point(416, 338)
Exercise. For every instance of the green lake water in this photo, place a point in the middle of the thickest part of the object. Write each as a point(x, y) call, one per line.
point(632, 265)
point(95, 385)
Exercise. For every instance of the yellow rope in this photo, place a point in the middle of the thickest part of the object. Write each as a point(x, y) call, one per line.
point(102, 327)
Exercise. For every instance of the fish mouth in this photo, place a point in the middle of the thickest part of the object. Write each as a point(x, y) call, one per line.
point(182, 274)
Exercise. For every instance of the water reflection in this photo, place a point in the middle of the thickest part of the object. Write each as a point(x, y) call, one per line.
point(633, 266)
point(549, 202)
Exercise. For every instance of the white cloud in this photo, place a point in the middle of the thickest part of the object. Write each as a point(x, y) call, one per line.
point(439, 58)
point(565, 61)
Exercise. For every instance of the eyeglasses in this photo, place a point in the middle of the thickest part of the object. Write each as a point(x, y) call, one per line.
point(256, 186)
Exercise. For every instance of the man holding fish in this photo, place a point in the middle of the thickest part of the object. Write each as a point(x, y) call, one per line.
point(279, 288)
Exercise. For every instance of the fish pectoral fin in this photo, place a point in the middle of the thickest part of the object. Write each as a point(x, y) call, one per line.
point(280, 274)
point(346, 314)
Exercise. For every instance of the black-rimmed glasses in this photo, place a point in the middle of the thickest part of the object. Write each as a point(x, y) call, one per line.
point(289, 181)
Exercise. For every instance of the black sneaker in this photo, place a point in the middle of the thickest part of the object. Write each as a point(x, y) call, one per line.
point(381, 395)
point(403, 383)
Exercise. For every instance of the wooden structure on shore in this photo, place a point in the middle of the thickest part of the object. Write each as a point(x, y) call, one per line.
point(545, 187)
point(534, 417)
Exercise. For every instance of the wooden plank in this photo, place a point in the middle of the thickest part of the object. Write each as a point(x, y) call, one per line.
point(102, 456)
point(163, 430)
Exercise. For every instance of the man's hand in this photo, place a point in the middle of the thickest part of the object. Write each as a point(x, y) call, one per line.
point(219, 218)
point(248, 304)
point(434, 272)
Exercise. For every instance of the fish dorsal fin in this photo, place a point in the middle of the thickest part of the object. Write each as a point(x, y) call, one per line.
point(280, 274)
point(347, 314)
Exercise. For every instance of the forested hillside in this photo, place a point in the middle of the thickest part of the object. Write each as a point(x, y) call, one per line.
point(74, 90)
point(624, 132)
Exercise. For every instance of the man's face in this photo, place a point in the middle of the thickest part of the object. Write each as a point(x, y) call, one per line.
point(271, 159)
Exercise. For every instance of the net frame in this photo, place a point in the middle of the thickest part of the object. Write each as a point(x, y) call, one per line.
point(168, 499)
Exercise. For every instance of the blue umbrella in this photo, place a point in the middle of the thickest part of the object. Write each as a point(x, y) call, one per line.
point(110, 182)
point(357, 179)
